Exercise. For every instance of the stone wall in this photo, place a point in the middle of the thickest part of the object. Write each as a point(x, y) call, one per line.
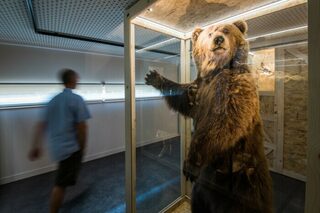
point(295, 110)
point(292, 61)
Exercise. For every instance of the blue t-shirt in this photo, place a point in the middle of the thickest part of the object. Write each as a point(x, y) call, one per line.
point(64, 111)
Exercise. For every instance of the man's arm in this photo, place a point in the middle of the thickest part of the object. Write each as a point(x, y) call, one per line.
point(81, 129)
point(36, 148)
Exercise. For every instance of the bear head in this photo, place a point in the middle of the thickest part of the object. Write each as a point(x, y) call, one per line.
point(220, 46)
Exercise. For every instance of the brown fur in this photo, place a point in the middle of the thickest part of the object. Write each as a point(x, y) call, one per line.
point(226, 156)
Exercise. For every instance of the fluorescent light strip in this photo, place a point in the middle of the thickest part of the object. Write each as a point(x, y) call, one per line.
point(279, 32)
point(280, 45)
point(156, 45)
point(170, 56)
point(157, 27)
point(36, 96)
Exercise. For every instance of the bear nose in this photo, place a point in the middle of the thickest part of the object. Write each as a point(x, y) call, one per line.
point(218, 40)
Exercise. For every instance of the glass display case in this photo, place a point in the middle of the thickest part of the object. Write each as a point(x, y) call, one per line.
point(278, 59)
point(158, 149)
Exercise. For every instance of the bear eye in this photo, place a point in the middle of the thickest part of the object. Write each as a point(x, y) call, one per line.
point(210, 34)
point(225, 31)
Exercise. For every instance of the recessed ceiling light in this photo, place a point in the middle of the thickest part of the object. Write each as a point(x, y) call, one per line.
point(157, 45)
point(279, 32)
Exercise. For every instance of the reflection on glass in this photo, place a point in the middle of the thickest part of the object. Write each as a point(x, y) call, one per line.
point(158, 137)
point(281, 72)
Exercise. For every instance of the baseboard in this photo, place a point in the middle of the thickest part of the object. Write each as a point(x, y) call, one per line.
point(122, 149)
point(52, 167)
point(27, 174)
point(290, 174)
point(158, 139)
point(102, 154)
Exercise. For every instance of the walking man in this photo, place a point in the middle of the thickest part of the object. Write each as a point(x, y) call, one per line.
point(65, 124)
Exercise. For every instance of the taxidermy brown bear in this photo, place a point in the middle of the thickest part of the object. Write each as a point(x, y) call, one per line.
point(226, 159)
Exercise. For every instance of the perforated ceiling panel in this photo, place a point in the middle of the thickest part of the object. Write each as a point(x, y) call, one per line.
point(169, 47)
point(279, 40)
point(103, 19)
point(145, 37)
point(282, 20)
point(16, 27)
point(174, 46)
point(97, 19)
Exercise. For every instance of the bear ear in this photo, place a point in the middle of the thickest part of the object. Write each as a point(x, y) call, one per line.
point(242, 25)
point(196, 34)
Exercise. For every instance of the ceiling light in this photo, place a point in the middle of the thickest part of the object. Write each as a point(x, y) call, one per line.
point(279, 32)
point(150, 25)
point(149, 10)
point(170, 56)
point(156, 45)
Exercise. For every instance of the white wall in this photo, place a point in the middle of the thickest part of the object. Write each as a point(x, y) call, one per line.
point(106, 128)
point(29, 64)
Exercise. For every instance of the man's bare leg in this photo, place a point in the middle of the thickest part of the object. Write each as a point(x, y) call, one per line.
point(57, 196)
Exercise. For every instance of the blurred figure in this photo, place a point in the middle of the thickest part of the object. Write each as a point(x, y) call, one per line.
point(65, 123)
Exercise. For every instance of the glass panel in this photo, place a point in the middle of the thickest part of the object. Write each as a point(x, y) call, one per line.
point(278, 59)
point(158, 138)
point(282, 76)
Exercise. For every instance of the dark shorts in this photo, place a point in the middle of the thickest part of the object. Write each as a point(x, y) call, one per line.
point(68, 170)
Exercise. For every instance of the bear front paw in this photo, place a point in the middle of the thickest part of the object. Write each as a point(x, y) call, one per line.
point(154, 79)
point(192, 94)
point(190, 171)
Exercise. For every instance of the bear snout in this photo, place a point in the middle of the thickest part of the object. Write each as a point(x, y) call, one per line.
point(218, 40)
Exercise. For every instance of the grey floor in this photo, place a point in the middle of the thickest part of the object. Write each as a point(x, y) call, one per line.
point(100, 187)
